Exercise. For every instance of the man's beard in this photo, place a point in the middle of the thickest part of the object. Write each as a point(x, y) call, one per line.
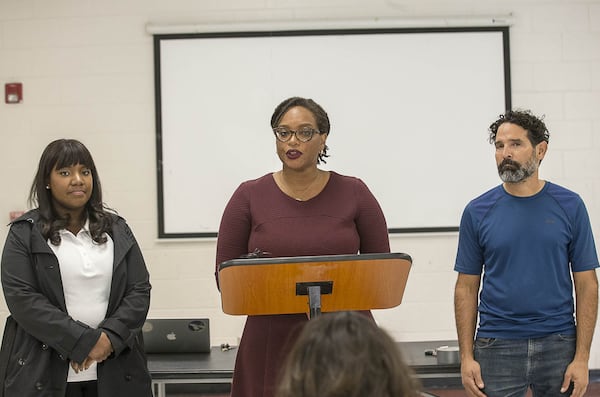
point(513, 172)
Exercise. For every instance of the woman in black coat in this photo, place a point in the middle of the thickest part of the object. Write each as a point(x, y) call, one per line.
point(67, 251)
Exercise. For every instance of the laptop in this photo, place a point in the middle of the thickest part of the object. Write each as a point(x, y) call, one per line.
point(176, 335)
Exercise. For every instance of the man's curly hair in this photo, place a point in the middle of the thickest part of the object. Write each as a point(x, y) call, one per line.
point(536, 129)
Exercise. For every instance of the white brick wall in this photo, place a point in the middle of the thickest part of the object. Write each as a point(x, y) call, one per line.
point(87, 69)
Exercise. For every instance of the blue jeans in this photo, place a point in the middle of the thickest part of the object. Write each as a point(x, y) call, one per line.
point(510, 366)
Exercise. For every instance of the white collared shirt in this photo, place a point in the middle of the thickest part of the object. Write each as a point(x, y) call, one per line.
point(86, 271)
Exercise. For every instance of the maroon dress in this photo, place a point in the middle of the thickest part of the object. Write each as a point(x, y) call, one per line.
point(344, 218)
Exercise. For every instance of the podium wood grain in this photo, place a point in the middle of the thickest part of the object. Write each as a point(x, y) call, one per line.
point(270, 288)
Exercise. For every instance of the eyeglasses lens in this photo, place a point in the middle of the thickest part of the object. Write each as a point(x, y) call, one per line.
point(303, 134)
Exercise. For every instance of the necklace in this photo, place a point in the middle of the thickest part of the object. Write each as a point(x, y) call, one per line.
point(298, 194)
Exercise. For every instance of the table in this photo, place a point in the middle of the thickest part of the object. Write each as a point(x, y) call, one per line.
point(213, 368)
point(430, 373)
point(217, 367)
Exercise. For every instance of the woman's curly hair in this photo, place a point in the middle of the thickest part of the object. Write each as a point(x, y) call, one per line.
point(346, 354)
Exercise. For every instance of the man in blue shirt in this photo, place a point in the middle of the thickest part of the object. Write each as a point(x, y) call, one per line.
point(525, 244)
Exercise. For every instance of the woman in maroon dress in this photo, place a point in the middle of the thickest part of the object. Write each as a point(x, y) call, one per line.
point(300, 210)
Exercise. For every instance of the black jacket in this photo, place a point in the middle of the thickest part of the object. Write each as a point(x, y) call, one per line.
point(40, 338)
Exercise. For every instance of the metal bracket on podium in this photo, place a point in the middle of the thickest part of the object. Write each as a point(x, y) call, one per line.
point(314, 290)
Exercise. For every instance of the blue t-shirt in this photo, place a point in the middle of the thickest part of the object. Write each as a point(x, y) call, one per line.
point(526, 248)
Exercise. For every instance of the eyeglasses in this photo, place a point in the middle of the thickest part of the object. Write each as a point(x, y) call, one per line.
point(304, 134)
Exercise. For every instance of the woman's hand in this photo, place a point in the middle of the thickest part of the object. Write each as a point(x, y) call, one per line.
point(100, 352)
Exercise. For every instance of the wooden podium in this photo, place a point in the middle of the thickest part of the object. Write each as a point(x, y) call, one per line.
point(312, 284)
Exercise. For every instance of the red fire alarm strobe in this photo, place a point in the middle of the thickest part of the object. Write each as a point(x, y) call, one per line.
point(13, 92)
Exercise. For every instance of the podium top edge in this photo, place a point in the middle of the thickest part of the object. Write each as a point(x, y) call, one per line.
point(315, 258)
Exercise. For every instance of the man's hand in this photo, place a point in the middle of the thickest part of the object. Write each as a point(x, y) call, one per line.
point(578, 373)
point(470, 371)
